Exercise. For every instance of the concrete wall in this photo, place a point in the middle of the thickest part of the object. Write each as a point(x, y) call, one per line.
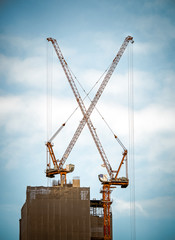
point(61, 213)
point(52, 213)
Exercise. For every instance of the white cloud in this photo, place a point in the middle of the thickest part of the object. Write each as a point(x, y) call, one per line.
point(29, 67)
point(156, 208)
point(29, 72)
point(145, 48)
point(20, 113)
point(24, 47)
point(152, 120)
point(23, 126)
point(126, 208)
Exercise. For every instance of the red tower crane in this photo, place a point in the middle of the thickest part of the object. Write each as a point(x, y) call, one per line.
point(58, 168)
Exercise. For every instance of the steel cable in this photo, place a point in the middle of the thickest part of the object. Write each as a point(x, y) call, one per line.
point(49, 80)
point(131, 141)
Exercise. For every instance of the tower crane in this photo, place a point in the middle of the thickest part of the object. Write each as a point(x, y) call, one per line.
point(113, 180)
point(58, 168)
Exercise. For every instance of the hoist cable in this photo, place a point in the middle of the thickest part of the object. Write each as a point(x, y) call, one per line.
point(131, 141)
point(47, 89)
point(49, 80)
point(47, 156)
point(49, 93)
point(132, 200)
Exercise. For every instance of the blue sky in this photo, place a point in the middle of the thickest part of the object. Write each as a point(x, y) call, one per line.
point(89, 34)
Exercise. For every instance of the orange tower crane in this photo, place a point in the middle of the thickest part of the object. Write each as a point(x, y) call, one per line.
point(113, 181)
point(58, 168)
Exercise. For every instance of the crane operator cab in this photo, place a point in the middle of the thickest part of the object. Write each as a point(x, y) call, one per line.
point(50, 172)
point(123, 181)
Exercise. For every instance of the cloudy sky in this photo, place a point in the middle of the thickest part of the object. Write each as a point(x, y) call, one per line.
point(89, 34)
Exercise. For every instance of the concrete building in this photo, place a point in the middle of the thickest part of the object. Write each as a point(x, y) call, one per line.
point(61, 212)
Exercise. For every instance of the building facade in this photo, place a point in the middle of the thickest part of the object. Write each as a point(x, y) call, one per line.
point(61, 213)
